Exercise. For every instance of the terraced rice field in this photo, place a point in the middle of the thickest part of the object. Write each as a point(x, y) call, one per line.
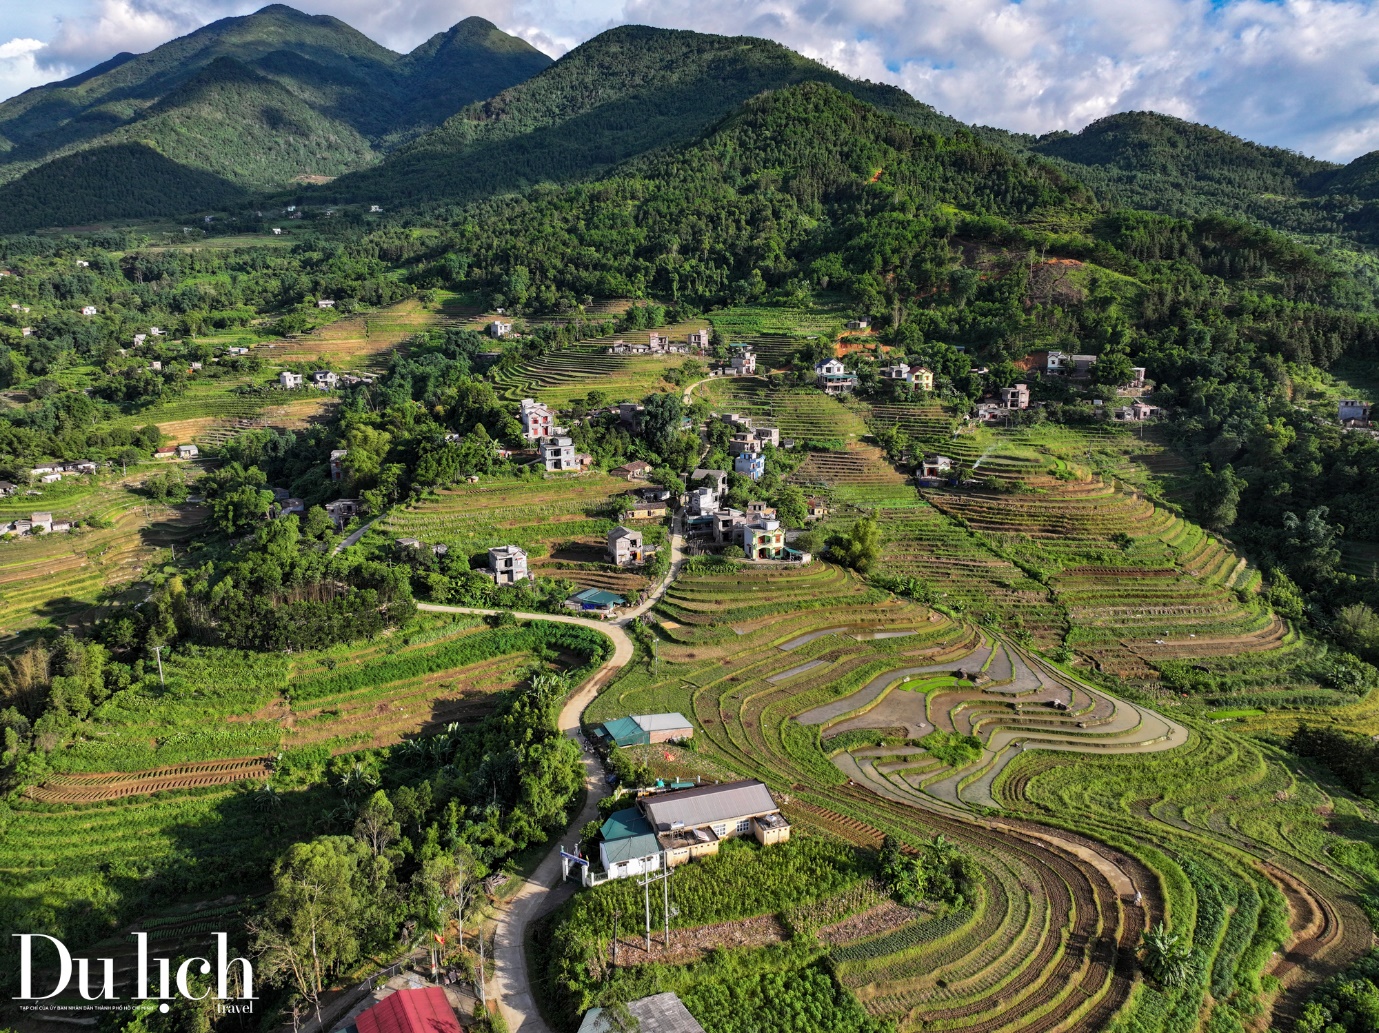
point(531, 512)
point(805, 415)
point(61, 580)
point(560, 377)
point(1050, 943)
point(858, 466)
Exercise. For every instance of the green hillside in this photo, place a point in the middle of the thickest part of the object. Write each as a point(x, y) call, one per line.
point(628, 91)
point(258, 100)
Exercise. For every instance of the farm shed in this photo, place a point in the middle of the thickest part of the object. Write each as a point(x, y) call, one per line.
point(659, 1013)
point(648, 728)
point(595, 600)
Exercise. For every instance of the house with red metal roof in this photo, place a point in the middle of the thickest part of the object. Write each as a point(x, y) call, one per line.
point(421, 1010)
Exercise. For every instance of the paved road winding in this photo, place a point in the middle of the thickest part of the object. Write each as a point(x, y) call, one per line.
point(545, 890)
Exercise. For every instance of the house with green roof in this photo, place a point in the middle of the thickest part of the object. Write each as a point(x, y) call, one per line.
point(596, 600)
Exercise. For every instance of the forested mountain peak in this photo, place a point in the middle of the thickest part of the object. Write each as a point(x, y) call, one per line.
point(626, 92)
point(259, 100)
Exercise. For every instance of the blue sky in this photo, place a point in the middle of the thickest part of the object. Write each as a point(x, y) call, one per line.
point(1302, 74)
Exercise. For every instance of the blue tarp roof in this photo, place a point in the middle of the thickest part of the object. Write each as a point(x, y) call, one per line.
point(624, 823)
point(598, 597)
point(626, 732)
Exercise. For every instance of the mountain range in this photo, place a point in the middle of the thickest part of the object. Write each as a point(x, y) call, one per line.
point(256, 106)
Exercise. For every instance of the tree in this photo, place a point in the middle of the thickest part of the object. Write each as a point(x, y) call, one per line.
point(1357, 627)
point(307, 926)
point(375, 825)
point(791, 506)
point(860, 547)
point(1164, 957)
point(661, 420)
point(1218, 496)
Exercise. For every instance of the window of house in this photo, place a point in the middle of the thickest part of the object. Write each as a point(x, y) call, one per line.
point(745, 825)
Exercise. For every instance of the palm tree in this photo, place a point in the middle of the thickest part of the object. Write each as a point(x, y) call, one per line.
point(1164, 957)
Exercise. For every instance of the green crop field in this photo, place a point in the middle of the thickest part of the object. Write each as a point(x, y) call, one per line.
point(1214, 832)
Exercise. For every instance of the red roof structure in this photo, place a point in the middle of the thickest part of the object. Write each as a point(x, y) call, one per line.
point(423, 1010)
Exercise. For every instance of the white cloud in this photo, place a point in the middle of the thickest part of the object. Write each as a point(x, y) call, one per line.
point(1296, 73)
point(18, 68)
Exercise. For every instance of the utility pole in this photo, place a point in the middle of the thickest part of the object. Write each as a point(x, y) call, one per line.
point(158, 652)
point(616, 916)
point(483, 998)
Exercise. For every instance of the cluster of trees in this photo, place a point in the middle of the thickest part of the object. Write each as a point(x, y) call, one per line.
point(938, 872)
point(1347, 1002)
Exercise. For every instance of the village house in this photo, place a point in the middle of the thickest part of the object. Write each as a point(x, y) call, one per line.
point(507, 564)
point(324, 380)
point(743, 443)
point(412, 1009)
point(325, 303)
point(715, 479)
point(140, 339)
point(537, 420)
point(647, 729)
point(1352, 409)
point(277, 231)
point(659, 1013)
point(342, 511)
point(165, 452)
point(725, 523)
point(744, 362)
point(767, 436)
point(760, 511)
point(897, 373)
point(1136, 412)
point(932, 467)
point(625, 547)
point(236, 349)
point(859, 324)
point(1015, 397)
point(833, 378)
point(26, 331)
point(649, 503)
point(763, 539)
point(1063, 364)
point(633, 471)
point(88, 310)
point(158, 331)
point(559, 455)
point(596, 600)
point(702, 501)
point(698, 339)
point(922, 377)
point(155, 366)
point(337, 463)
point(658, 342)
point(374, 209)
point(631, 413)
point(290, 507)
point(187, 451)
point(750, 464)
point(816, 507)
point(81, 264)
point(7, 488)
point(498, 328)
point(691, 823)
point(289, 381)
point(41, 522)
point(194, 367)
